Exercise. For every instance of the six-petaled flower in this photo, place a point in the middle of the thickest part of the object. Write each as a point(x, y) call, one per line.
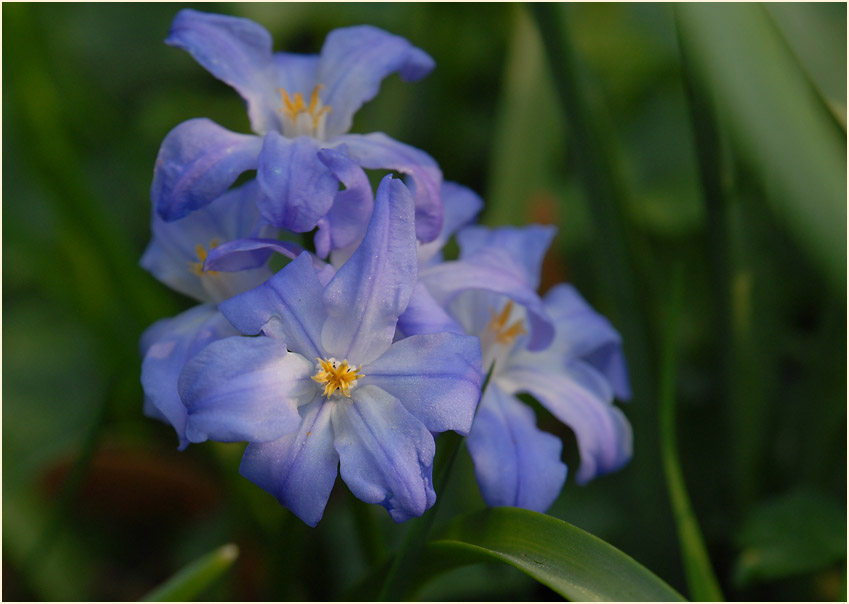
point(351, 358)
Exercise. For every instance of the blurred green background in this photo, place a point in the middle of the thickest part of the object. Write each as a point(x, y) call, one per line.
point(708, 139)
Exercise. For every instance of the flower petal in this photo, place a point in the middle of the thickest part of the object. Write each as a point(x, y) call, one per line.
point(296, 189)
point(345, 223)
point(424, 315)
point(436, 377)
point(245, 389)
point(354, 61)
point(386, 454)
point(460, 206)
point(526, 247)
point(581, 332)
point(168, 345)
point(197, 162)
point(300, 468)
point(295, 72)
point(373, 287)
point(247, 253)
point(237, 51)
point(287, 307)
point(498, 274)
point(516, 463)
point(602, 430)
point(377, 151)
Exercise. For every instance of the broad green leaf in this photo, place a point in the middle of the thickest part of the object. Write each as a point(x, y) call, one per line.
point(799, 532)
point(575, 564)
point(777, 121)
point(190, 582)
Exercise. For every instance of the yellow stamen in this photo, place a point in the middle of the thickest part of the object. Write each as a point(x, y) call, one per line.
point(197, 267)
point(336, 376)
point(295, 105)
point(498, 325)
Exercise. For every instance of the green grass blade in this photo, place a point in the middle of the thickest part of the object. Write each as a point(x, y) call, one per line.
point(777, 121)
point(700, 577)
point(575, 564)
point(190, 582)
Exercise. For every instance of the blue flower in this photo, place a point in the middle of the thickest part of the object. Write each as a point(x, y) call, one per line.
point(323, 384)
point(558, 350)
point(166, 346)
point(176, 256)
point(298, 105)
point(178, 250)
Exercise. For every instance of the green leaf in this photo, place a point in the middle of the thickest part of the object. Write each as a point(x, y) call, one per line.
point(778, 122)
point(802, 531)
point(700, 577)
point(190, 582)
point(575, 564)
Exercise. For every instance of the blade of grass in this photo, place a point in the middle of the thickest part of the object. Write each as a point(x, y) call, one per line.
point(572, 562)
point(54, 158)
point(777, 121)
point(190, 582)
point(700, 577)
point(615, 253)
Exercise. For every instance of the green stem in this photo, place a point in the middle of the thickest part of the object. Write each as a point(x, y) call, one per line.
point(403, 567)
point(700, 577)
point(709, 154)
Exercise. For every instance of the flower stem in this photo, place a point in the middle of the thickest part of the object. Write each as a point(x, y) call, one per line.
point(403, 566)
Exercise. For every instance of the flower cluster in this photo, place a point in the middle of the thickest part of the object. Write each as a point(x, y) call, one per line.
point(367, 343)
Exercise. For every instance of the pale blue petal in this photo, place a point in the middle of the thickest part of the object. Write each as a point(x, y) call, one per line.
point(168, 344)
point(243, 254)
point(236, 51)
point(460, 206)
point(287, 307)
point(526, 247)
point(516, 463)
point(197, 162)
point(296, 189)
point(424, 315)
point(581, 332)
point(498, 275)
point(385, 454)
point(354, 61)
point(602, 431)
point(371, 290)
point(346, 222)
point(436, 377)
point(295, 73)
point(376, 151)
point(245, 389)
point(300, 468)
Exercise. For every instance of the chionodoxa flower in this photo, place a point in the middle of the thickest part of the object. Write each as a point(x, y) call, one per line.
point(324, 383)
point(298, 105)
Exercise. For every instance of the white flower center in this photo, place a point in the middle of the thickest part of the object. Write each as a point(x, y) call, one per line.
point(500, 334)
